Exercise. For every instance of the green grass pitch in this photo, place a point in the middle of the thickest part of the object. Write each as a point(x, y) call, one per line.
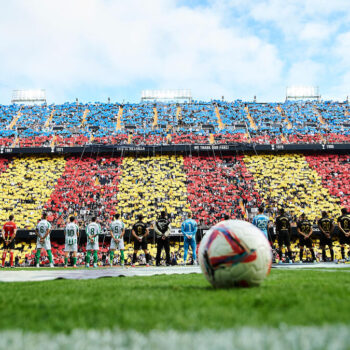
point(176, 302)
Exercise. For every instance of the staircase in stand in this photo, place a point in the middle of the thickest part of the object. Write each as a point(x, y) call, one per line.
point(252, 123)
point(319, 116)
point(48, 120)
point(83, 121)
point(155, 118)
point(119, 119)
point(218, 116)
point(287, 121)
point(15, 119)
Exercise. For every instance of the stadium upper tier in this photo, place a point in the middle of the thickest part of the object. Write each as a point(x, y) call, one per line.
point(73, 124)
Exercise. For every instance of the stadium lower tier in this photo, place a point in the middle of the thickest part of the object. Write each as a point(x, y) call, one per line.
point(211, 187)
point(24, 254)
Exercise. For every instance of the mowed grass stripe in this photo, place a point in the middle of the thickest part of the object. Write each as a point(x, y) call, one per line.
point(177, 302)
point(334, 337)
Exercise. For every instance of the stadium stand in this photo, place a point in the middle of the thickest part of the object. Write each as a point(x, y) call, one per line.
point(217, 187)
point(87, 187)
point(209, 186)
point(150, 185)
point(26, 186)
point(288, 181)
point(334, 171)
point(77, 124)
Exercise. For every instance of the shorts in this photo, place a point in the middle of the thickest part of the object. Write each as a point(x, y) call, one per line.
point(46, 245)
point(9, 245)
point(343, 239)
point(92, 246)
point(305, 242)
point(71, 247)
point(325, 241)
point(283, 238)
point(140, 245)
point(119, 245)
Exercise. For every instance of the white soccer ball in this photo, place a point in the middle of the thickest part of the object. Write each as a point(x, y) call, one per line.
point(235, 253)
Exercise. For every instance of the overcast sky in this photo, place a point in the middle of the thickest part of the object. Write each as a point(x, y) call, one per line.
point(94, 49)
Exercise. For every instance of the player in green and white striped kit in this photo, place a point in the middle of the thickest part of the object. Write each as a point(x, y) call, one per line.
point(42, 231)
point(93, 230)
point(71, 233)
point(117, 242)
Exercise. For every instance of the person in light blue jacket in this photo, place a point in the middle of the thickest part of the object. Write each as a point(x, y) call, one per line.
point(189, 229)
point(261, 221)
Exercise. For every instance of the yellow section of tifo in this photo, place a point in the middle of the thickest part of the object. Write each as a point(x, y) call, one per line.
point(26, 186)
point(151, 184)
point(287, 181)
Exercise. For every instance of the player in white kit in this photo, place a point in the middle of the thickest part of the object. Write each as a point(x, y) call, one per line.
point(93, 230)
point(117, 242)
point(71, 234)
point(42, 231)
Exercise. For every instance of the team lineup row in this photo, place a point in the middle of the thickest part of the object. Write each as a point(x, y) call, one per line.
point(140, 231)
point(162, 228)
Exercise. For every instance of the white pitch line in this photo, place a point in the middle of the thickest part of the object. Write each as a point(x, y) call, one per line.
point(91, 273)
point(334, 337)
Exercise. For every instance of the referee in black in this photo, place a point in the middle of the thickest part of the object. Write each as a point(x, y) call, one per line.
point(140, 232)
point(162, 230)
point(283, 229)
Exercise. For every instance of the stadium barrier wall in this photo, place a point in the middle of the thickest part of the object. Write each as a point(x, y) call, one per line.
point(178, 149)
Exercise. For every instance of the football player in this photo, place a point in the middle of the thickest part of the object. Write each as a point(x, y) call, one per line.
point(304, 228)
point(344, 230)
point(93, 230)
point(326, 226)
point(71, 233)
point(117, 241)
point(162, 230)
point(283, 231)
point(140, 232)
point(9, 231)
point(43, 231)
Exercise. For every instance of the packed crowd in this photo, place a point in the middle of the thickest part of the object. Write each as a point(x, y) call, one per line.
point(76, 124)
point(288, 181)
point(208, 186)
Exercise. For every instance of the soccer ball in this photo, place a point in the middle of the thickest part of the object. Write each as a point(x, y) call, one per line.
point(235, 253)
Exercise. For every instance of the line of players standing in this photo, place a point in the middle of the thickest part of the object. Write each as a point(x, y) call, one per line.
point(140, 231)
point(326, 226)
point(162, 228)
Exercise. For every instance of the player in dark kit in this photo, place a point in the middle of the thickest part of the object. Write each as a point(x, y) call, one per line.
point(304, 228)
point(140, 232)
point(283, 231)
point(344, 230)
point(326, 226)
point(162, 231)
point(9, 231)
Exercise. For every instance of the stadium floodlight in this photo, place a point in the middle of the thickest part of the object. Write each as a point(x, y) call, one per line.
point(166, 95)
point(302, 93)
point(28, 96)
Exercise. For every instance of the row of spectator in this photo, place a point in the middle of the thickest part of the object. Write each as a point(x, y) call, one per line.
point(160, 123)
